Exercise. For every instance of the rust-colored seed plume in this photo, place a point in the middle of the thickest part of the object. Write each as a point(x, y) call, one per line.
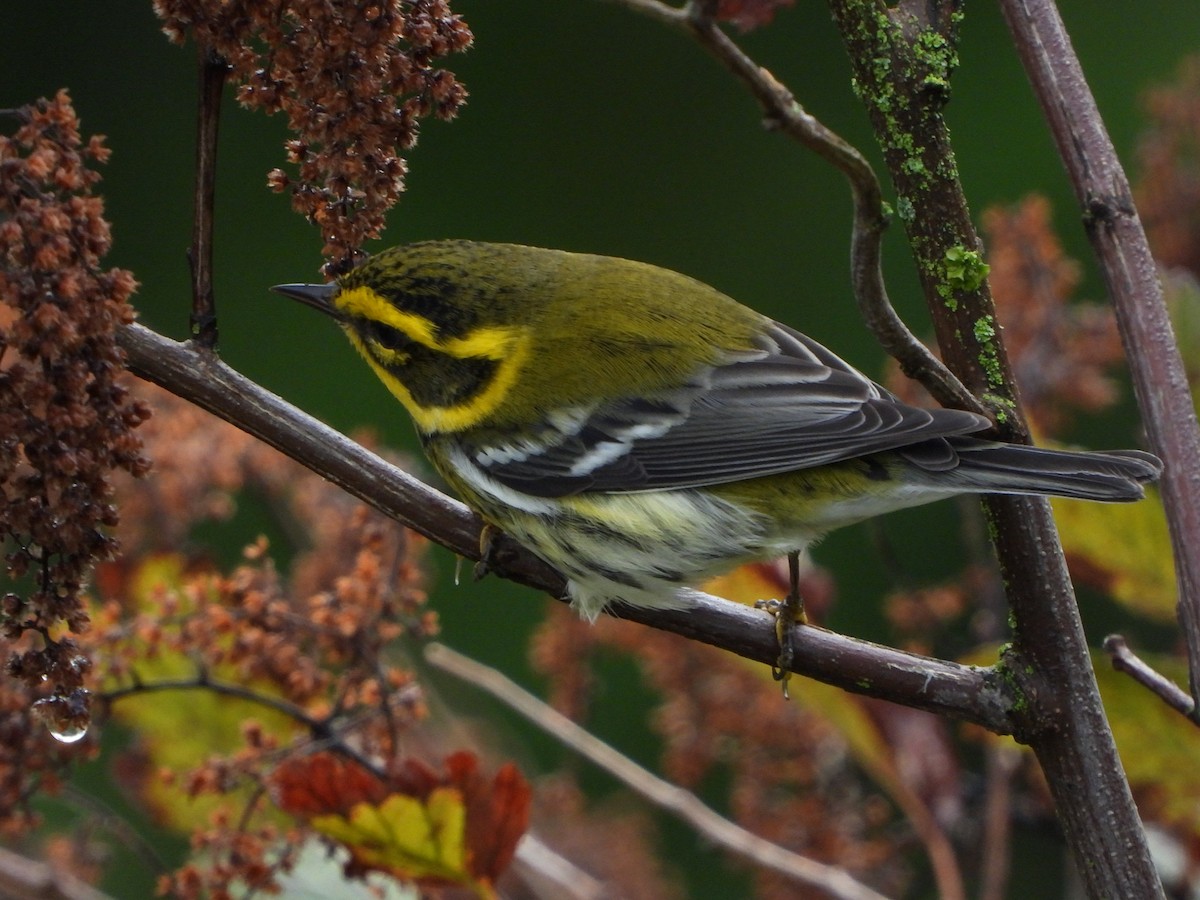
point(66, 421)
point(354, 80)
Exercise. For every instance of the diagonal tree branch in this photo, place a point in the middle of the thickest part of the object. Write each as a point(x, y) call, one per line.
point(1125, 660)
point(970, 693)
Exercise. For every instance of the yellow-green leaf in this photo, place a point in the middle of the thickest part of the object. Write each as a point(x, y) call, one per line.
point(1123, 548)
point(1159, 748)
point(402, 835)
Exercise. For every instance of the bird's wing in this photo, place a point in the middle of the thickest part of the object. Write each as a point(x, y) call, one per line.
point(790, 404)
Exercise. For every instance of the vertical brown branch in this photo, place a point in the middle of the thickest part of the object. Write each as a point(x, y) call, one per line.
point(902, 73)
point(1120, 244)
point(866, 268)
point(902, 69)
point(200, 255)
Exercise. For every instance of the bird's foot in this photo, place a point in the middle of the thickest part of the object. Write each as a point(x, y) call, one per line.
point(787, 612)
point(487, 551)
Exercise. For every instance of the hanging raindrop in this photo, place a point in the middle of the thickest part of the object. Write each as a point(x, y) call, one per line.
point(69, 734)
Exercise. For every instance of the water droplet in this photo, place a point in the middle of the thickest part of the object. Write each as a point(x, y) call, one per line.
point(458, 561)
point(65, 715)
point(69, 734)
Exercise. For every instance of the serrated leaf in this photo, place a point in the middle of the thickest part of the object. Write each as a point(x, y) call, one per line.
point(323, 783)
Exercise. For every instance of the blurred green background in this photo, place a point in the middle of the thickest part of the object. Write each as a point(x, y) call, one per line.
point(588, 128)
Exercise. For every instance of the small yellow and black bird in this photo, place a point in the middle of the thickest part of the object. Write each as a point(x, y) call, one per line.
point(641, 431)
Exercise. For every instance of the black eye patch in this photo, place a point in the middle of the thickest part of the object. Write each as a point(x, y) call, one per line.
point(387, 337)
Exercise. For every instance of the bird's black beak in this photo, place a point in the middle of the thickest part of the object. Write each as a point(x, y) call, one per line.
point(318, 296)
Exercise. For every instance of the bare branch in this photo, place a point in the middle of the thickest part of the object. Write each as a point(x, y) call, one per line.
point(200, 254)
point(1119, 242)
point(673, 799)
point(962, 692)
point(783, 113)
point(902, 73)
point(322, 730)
point(552, 874)
point(1125, 660)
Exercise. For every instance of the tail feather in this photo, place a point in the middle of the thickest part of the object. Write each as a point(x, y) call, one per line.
point(994, 467)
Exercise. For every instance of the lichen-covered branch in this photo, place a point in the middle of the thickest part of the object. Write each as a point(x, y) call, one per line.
point(902, 74)
point(902, 68)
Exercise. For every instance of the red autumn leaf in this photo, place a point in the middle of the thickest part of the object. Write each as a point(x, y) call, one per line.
point(324, 783)
point(497, 813)
point(381, 820)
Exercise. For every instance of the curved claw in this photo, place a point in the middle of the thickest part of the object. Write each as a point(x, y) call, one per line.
point(786, 612)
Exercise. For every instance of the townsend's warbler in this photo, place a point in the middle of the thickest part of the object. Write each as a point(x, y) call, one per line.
point(640, 431)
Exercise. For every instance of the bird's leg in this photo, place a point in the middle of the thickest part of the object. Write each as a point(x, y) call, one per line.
point(487, 550)
point(787, 613)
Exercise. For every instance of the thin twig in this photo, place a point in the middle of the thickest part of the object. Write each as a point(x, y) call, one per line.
point(21, 877)
point(116, 826)
point(551, 874)
point(673, 799)
point(963, 692)
point(1131, 274)
point(996, 864)
point(783, 113)
point(321, 729)
point(1125, 660)
point(204, 683)
point(200, 255)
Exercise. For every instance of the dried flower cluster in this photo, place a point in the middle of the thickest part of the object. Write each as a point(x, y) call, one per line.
point(1168, 191)
point(292, 665)
point(354, 79)
point(66, 422)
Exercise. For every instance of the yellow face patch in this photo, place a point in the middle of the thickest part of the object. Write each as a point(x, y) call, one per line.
point(507, 345)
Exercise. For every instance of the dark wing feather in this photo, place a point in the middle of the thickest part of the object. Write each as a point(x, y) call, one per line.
point(790, 405)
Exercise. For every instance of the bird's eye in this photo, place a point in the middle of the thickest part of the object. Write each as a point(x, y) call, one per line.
point(387, 337)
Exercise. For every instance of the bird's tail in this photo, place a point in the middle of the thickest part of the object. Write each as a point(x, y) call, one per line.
point(994, 467)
